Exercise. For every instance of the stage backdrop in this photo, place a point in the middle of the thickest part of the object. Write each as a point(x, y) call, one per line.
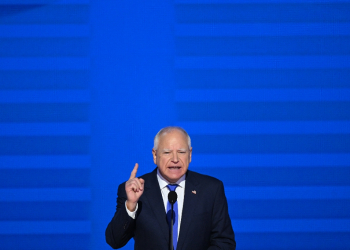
point(262, 87)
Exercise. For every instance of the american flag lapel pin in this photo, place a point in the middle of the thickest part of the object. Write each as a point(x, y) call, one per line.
point(194, 192)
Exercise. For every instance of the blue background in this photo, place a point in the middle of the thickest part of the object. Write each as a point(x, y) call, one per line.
point(262, 87)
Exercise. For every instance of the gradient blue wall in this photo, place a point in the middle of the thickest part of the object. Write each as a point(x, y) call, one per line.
point(263, 88)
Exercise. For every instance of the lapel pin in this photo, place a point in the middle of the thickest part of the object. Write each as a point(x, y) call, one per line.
point(194, 192)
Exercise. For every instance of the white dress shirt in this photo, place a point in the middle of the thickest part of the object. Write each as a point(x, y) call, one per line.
point(180, 190)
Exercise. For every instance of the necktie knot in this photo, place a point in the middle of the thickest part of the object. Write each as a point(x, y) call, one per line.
point(172, 187)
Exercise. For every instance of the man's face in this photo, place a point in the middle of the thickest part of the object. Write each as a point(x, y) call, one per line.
point(173, 155)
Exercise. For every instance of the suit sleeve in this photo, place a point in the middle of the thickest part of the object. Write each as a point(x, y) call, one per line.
point(121, 228)
point(222, 235)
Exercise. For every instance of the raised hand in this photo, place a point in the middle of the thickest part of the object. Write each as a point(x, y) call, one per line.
point(134, 189)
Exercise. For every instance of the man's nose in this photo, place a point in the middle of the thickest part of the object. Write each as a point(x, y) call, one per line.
point(175, 158)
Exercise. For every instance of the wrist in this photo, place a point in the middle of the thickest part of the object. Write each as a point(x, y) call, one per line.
point(131, 206)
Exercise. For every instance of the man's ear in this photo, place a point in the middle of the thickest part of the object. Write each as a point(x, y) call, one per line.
point(190, 155)
point(154, 152)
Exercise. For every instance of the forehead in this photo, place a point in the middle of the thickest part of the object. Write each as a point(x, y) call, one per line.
point(173, 137)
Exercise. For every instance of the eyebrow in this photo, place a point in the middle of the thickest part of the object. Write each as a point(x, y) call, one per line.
point(180, 149)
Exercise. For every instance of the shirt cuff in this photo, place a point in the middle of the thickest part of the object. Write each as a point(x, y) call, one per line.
point(131, 214)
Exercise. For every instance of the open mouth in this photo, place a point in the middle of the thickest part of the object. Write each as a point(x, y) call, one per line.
point(174, 167)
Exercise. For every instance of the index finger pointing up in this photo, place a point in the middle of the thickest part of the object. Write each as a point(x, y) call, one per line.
point(134, 171)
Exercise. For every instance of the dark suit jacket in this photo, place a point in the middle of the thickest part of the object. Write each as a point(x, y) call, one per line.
point(205, 222)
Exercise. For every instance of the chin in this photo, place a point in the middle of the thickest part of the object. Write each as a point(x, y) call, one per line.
point(175, 177)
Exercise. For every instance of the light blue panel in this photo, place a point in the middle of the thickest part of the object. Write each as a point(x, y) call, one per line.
point(261, 86)
point(45, 131)
point(260, 90)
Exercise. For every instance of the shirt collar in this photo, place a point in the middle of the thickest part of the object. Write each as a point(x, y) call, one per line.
point(163, 182)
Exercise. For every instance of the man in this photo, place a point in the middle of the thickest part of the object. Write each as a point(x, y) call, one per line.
point(201, 216)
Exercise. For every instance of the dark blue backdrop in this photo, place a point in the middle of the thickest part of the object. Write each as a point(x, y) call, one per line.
point(263, 88)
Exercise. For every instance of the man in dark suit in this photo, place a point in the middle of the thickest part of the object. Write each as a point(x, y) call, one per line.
point(202, 220)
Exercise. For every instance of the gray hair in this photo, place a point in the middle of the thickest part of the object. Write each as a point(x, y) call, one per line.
point(167, 130)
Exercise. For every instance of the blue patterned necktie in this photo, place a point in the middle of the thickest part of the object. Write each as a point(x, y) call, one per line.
point(172, 187)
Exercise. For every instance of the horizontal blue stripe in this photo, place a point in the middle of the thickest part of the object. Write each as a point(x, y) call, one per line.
point(45, 194)
point(289, 209)
point(263, 29)
point(45, 161)
point(44, 47)
point(302, 225)
point(263, 13)
point(262, 95)
point(262, 46)
point(287, 193)
point(44, 96)
point(268, 160)
point(41, 63)
point(45, 30)
point(262, 62)
point(44, 145)
point(46, 241)
point(279, 176)
point(45, 210)
point(44, 129)
point(44, 227)
point(254, 1)
point(262, 78)
point(264, 111)
point(295, 240)
point(45, 178)
point(44, 112)
point(49, 2)
point(44, 14)
point(44, 80)
point(266, 127)
point(272, 143)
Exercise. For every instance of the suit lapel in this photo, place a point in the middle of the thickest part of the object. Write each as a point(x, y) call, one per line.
point(190, 201)
point(154, 198)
